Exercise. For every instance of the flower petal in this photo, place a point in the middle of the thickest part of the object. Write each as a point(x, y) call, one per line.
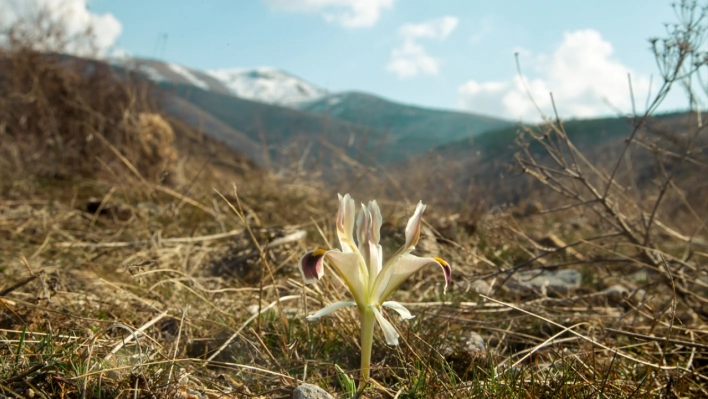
point(404, 267)
point(351, 268)
point(400, 309)
point(362, 225)
point(389, 331)
point(374, 236)
point(311, 265)
point(345, 223)
point(375, 261)
point(447, 270)
point(329, 309)
point(375, 222)
point(412, 237)
point(413, 228)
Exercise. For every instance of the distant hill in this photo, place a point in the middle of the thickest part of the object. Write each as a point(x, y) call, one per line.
point(368, 128)
point(583, 132)
point(286, 133)
point(197, 118)
point(417, 128)
point(484, 165)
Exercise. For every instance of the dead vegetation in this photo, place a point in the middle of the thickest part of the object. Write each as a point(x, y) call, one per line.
point(117, 284)
point(63, 116)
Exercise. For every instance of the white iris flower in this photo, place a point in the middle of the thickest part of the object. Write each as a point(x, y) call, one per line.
point(360, 264)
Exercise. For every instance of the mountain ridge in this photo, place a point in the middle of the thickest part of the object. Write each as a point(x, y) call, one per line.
point(404, 121)
point(267, 84)
point(277, 108)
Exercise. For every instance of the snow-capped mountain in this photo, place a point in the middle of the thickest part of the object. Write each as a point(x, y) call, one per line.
point(265, 84)
point(239, 105)
point(269, 85)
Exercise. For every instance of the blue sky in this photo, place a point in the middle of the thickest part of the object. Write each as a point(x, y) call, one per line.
point(456, 54)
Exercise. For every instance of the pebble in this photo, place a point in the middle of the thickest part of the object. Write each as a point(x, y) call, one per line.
point(309, 391)
point(475, 344)
point(481, 287)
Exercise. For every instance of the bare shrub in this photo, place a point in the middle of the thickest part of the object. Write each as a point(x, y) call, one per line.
point(647, 205)
point(60, 115)
point(64, 116)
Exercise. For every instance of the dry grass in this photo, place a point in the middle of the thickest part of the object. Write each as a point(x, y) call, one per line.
point(121, 284)
point(193, 280)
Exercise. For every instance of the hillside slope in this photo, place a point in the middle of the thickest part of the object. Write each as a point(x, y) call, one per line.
point(417, 128)
point(289, 134)
point(203, 121)
point(483, 168)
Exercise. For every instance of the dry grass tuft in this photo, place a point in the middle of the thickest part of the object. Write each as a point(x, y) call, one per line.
point(157, 154)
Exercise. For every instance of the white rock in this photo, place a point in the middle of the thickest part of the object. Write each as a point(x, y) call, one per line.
point(475, 343)
point(309, 391)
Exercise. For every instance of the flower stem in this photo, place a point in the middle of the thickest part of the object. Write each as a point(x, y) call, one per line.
point(368, 320)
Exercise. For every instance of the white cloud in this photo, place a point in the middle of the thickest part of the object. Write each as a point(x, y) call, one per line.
point(348, 13)
point(410, 58)
point(581, 73)
point(434, 29)
point(73, 16)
